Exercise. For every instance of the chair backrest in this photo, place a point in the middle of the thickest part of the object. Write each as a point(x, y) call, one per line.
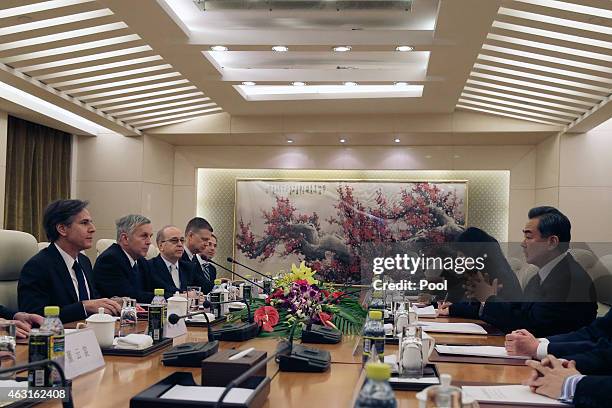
point(153, 252)
point(16, 248)
point(43, 245)
point(103, 244)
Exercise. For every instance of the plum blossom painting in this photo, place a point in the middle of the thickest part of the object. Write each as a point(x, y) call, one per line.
point(328, 223)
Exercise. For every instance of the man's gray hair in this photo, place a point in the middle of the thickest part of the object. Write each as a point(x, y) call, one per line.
point(129, 223)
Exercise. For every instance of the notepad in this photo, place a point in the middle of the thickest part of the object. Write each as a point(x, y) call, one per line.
point(428, 311)
point(480, 351)
point(519, 395)
point(460, 328)
point(207, 394)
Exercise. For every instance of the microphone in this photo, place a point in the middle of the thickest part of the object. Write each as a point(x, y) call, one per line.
point(232, 260)
point(240, 331)
point(190, 354)
point(303, 359)
point(282, 347)
point(174, 318)
point(240, 276)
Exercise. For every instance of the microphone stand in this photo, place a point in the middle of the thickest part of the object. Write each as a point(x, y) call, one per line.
point(232, 260)
point(44, 363)
point(174, 318)
point(240, 276)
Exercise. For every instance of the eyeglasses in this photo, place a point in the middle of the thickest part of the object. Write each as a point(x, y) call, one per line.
point(175, 241)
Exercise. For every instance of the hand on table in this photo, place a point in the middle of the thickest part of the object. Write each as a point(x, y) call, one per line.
point(444, 309)
point(23, 323)
point(548, 376)
point(110, 306)
point(521, 343)
point(478, 287)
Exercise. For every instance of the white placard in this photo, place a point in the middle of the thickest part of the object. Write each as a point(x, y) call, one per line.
point(82, 353)
point(175, 330)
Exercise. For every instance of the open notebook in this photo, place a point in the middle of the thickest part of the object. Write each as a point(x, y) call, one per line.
point(460, 328)
point(479, 351)
point(517, 395)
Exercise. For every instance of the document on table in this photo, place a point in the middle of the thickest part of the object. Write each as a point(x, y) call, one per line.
point(519, 395)
point(207, 394)
point(428, 311)
point(479, 351)
point(460, 328)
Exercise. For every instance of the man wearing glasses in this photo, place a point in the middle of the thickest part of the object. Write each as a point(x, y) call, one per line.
point(168, 270)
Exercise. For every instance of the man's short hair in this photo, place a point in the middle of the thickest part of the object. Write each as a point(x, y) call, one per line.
point(197, 224)
point(160, 234)
point(129, 223)
point(61, 212)
point(214, 236)
point(553, 222)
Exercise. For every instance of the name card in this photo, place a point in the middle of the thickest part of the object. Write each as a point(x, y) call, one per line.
point(82, 353)
point(175, 330)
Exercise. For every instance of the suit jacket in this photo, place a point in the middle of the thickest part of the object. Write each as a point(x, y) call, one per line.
point(45, 281)
point(591, 392)
point(161, 278)
point(6, 313)
point(112, 275)
point(563, 302)
point(596, 335)
point(197, 269)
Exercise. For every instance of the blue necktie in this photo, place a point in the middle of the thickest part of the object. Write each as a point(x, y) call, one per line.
point(136, 278)
point(205, 271)
point(80, 276)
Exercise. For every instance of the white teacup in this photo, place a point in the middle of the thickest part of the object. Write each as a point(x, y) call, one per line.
point(103, 326)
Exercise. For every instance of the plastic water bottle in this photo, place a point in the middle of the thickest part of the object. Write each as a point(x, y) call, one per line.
point(216, 297)
point(444, 395)
point(374, 335)
point(247, 289)
point(376, 392)
point(159, 299)
point(53, 324)
point(377, 302)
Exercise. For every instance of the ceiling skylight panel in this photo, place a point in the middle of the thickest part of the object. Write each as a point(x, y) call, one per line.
point(71, 48)
point(563, 61)
point(132, 90)
point(168, 111)
point(160, 107)
point(552, 34)
point(542, 78)
point(143, 95)
point(36, 7)
point(550, 47)
point(512, 110)
point(501, 114)
point(111, 76)
point(34, 25)
point(121, 83)
point(63, 36)
point(555, 20)
point(86, 58)
point(178, 115)
point(151, 101)
point(524, 99)
point(575, 8)
point(101, 67)
point(528, 92)
point(545, 68)
point(469, 95)
point(172, 121)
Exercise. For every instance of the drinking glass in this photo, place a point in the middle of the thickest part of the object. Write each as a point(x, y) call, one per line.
point(193, 296)
point(129, 318)
point(7, 348)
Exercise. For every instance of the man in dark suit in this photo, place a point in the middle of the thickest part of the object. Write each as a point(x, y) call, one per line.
point(198, 234)
point(60, 275)
point(122, 270)
point(597, 335)
point(565, 381)
point(559, 298)
point(23, 321)
point(168, 270)
point(210, 272)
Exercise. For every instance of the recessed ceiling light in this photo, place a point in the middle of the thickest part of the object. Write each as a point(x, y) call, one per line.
point(428, 156)
point(218, 48)
point(401, 83)
point(289, 141)
point(248, 83)
point(342, 48)
point(404, 48)
point(397, 140)
point(343, 140)
point(350, 83)
point(280, 48)
point(298, 83)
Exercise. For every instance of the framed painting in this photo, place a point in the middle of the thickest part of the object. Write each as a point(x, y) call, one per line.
point(328, 224)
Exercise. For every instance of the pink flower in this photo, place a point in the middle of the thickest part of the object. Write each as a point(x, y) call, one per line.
point(266, 317)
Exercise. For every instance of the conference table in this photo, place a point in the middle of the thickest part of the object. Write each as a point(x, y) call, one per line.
point(123, 377)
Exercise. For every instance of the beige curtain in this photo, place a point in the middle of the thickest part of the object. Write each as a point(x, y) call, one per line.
point(37, 173)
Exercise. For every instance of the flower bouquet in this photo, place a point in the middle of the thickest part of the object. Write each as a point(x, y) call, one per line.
point(299, 297)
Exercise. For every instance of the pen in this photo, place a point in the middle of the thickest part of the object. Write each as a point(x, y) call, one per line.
point(241, 354)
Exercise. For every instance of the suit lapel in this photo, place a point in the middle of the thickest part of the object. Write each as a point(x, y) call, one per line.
point(163, 270)
point(61, 270)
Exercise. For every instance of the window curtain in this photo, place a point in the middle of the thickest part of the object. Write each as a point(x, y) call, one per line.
point(37, 173)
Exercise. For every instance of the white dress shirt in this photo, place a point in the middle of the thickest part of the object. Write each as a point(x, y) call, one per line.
point(132, 261)
point(69, 264)
point(174, 272)
point(189, 254)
